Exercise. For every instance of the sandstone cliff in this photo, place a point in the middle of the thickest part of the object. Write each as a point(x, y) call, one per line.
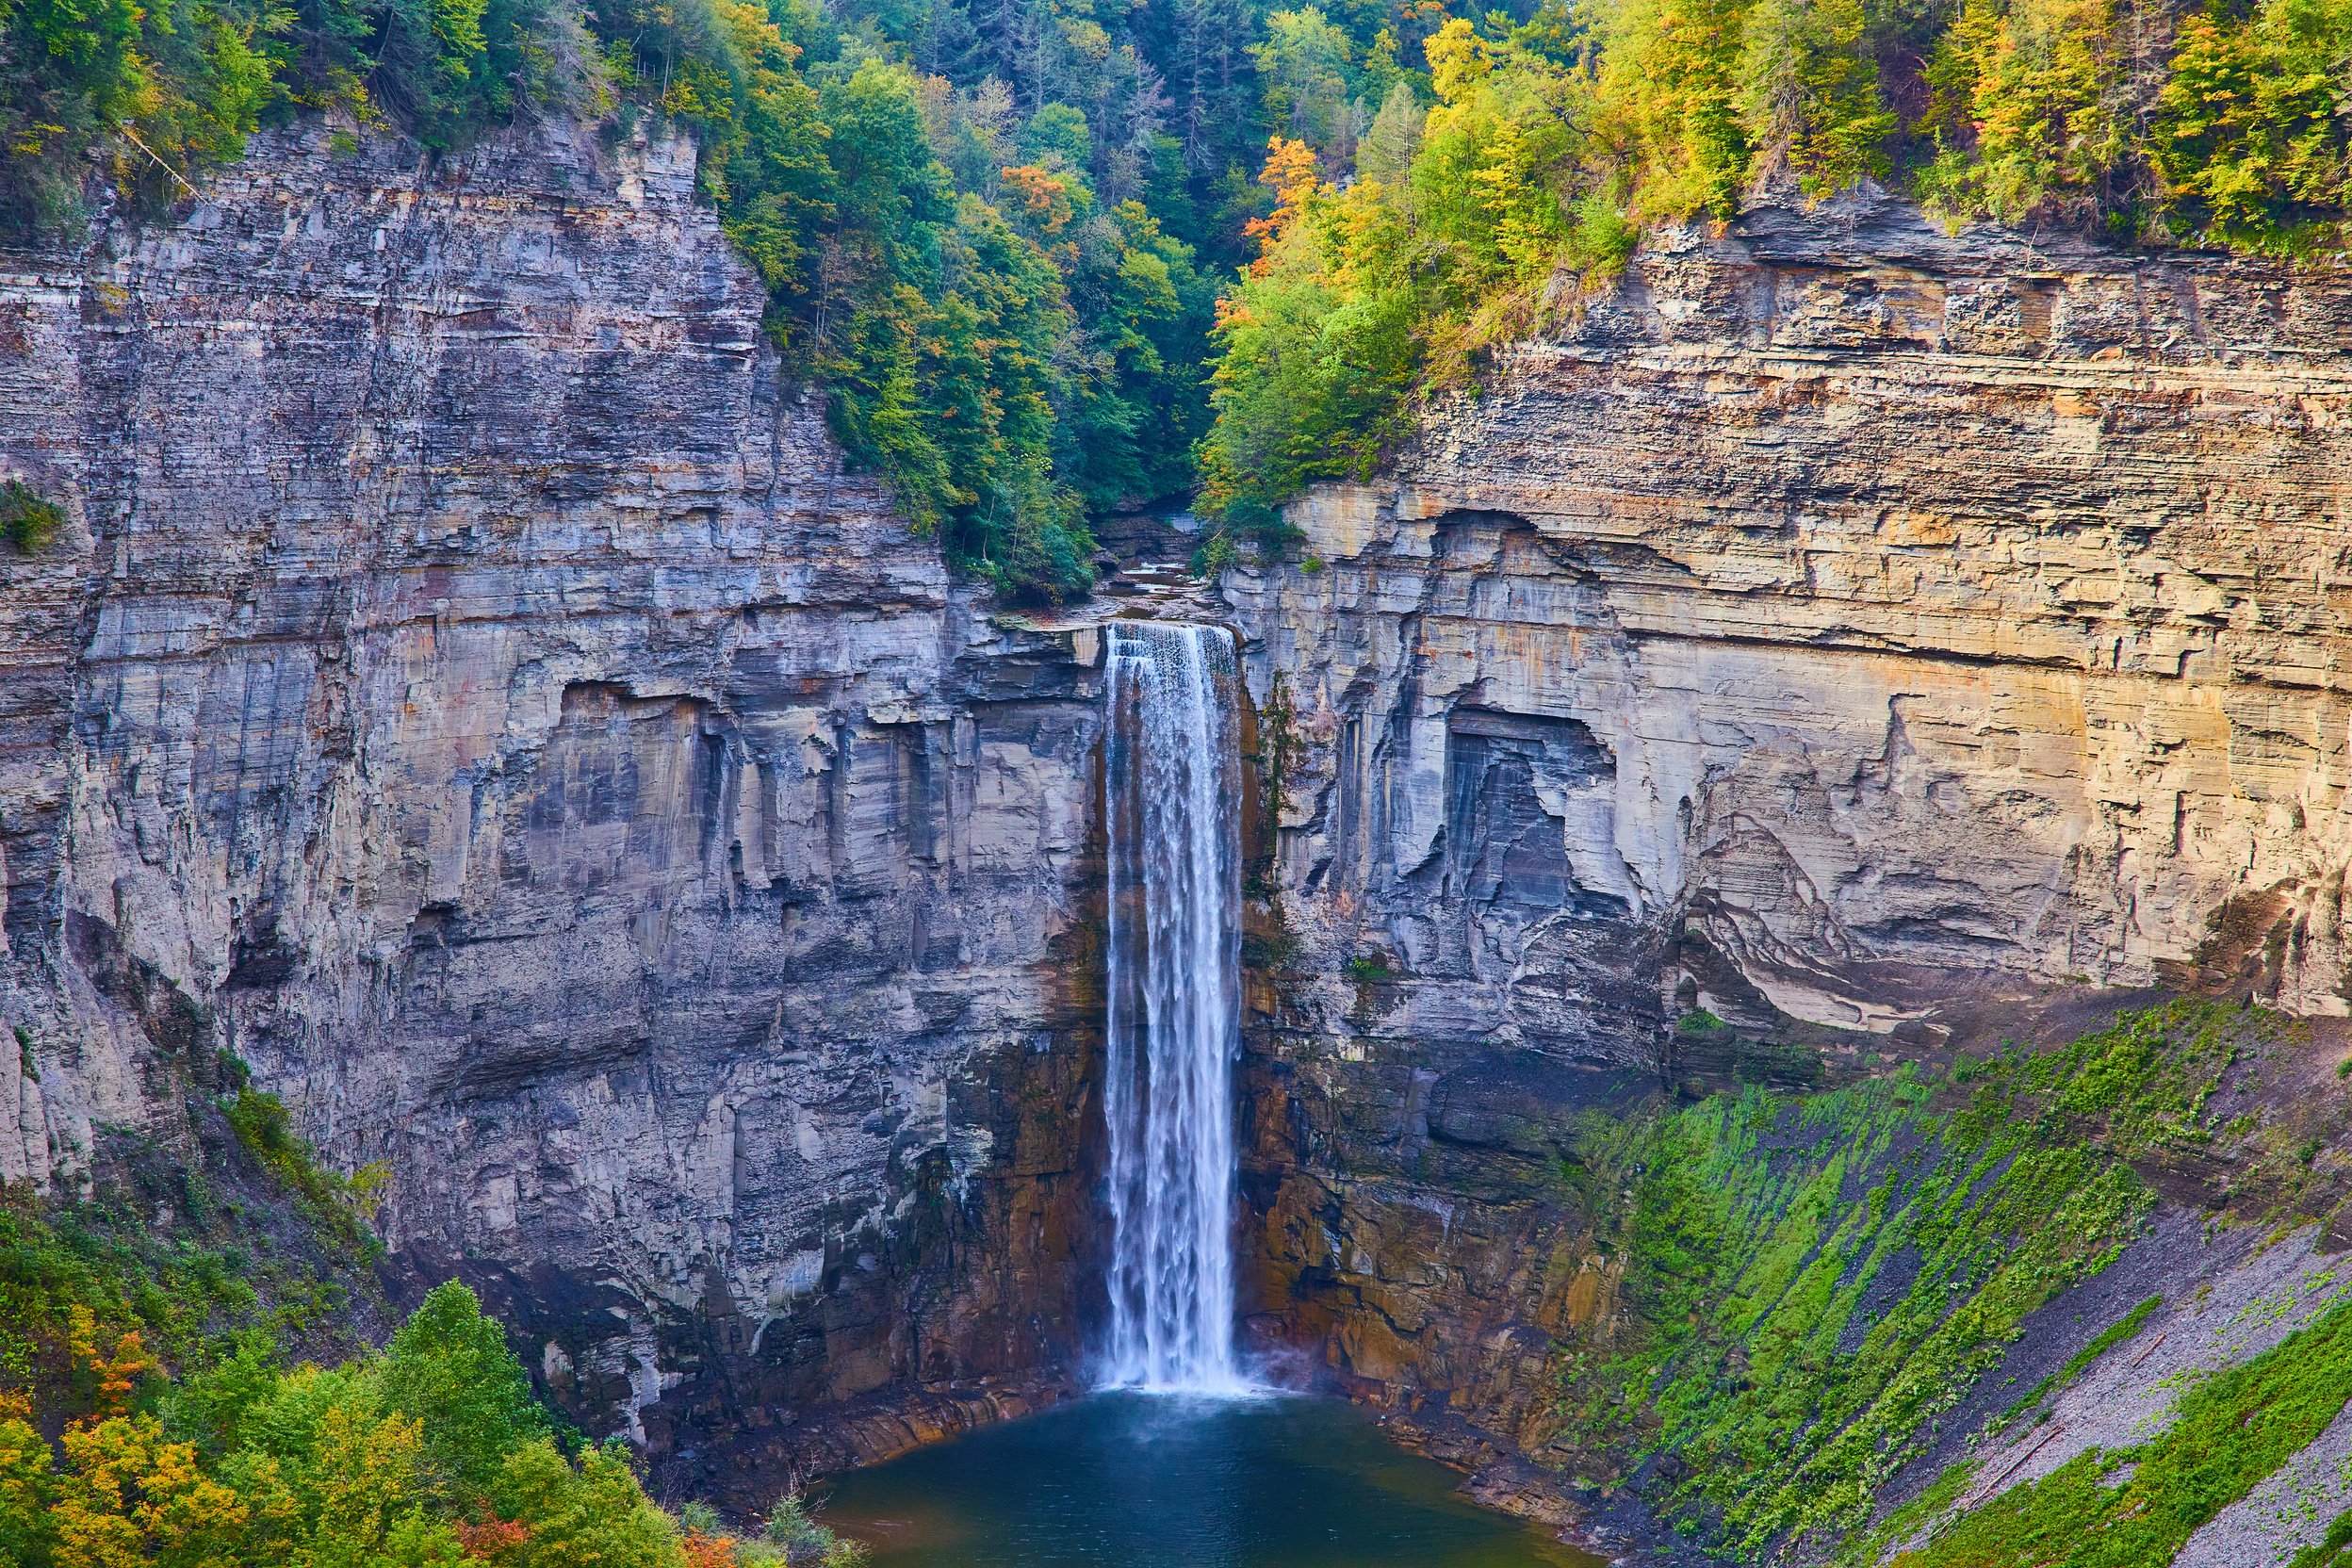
point(472, 691)
point(1839, 641)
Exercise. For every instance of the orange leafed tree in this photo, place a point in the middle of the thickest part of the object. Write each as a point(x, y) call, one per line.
point(1297, 179)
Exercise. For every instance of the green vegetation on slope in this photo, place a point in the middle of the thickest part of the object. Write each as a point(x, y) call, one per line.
point(2332, 1549)
point(1809, 1285)
point(152, 1412)
point(2105, 1340)
point(432, 1454)
point(187, 1264)
point(2138, 1506)
point(29, 521)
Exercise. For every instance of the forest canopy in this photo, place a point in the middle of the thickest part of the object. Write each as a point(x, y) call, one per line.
point(1056, 258)
point(1482, 195)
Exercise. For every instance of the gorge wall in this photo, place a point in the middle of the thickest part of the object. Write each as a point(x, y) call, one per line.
point(1839, 643)
point(471, 691)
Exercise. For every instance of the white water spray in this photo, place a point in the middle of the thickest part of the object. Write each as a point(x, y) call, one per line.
point(1174, 1022)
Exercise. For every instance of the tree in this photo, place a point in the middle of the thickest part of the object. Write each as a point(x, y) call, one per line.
point(2252, 144)
point(25, 1486)
point(590, 1516)
point(450, 1367)
point(1808, 96)
point(1669, 101)
point(127, 1495)
point(1306, 68)
point(2034, 99)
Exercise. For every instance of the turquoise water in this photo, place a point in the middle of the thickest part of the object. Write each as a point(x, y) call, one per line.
point(1132, 1480)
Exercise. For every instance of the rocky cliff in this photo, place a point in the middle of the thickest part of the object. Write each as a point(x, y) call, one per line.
point(470, 690)
point(1840, 641)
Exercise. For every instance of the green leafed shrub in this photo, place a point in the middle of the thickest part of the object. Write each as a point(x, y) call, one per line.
point(30, 520)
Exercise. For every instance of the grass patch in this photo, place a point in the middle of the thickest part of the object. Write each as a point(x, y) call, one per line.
point(2229, 1432)
point(93, 1260)
point(192, 1291)
point(1864, 1551)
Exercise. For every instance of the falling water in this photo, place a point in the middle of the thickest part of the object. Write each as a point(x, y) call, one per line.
point(1175, 1007)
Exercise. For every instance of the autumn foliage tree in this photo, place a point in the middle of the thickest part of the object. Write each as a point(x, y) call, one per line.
point(430, 1455)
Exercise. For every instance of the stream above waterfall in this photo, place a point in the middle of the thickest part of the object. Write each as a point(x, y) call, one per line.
point(1136, 1480)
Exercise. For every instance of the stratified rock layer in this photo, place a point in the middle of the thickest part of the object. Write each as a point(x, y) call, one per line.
point(1839, 634)
point(472, 692)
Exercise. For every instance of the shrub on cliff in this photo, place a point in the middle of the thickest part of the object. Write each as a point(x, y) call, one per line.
point(28, 519)
point(1013, 351)
point(156, 92)
point(1447, 240)
point(1469, 221)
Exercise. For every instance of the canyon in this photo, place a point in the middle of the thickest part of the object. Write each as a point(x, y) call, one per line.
point(472, 691)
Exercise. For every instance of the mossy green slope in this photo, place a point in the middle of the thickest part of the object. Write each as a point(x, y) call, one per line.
point(1811, 1285)
point(2138, 1506)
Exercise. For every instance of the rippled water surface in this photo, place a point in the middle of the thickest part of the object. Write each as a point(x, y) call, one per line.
point(1132, 1481)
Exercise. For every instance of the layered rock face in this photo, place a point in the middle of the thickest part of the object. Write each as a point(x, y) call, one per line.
point(1838, 635)
point(471, 692)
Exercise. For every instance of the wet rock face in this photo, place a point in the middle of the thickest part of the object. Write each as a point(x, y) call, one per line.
point(1841, 627)
point(472, 691)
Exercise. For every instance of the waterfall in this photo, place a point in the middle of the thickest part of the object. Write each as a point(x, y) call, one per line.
point(1173, 776)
